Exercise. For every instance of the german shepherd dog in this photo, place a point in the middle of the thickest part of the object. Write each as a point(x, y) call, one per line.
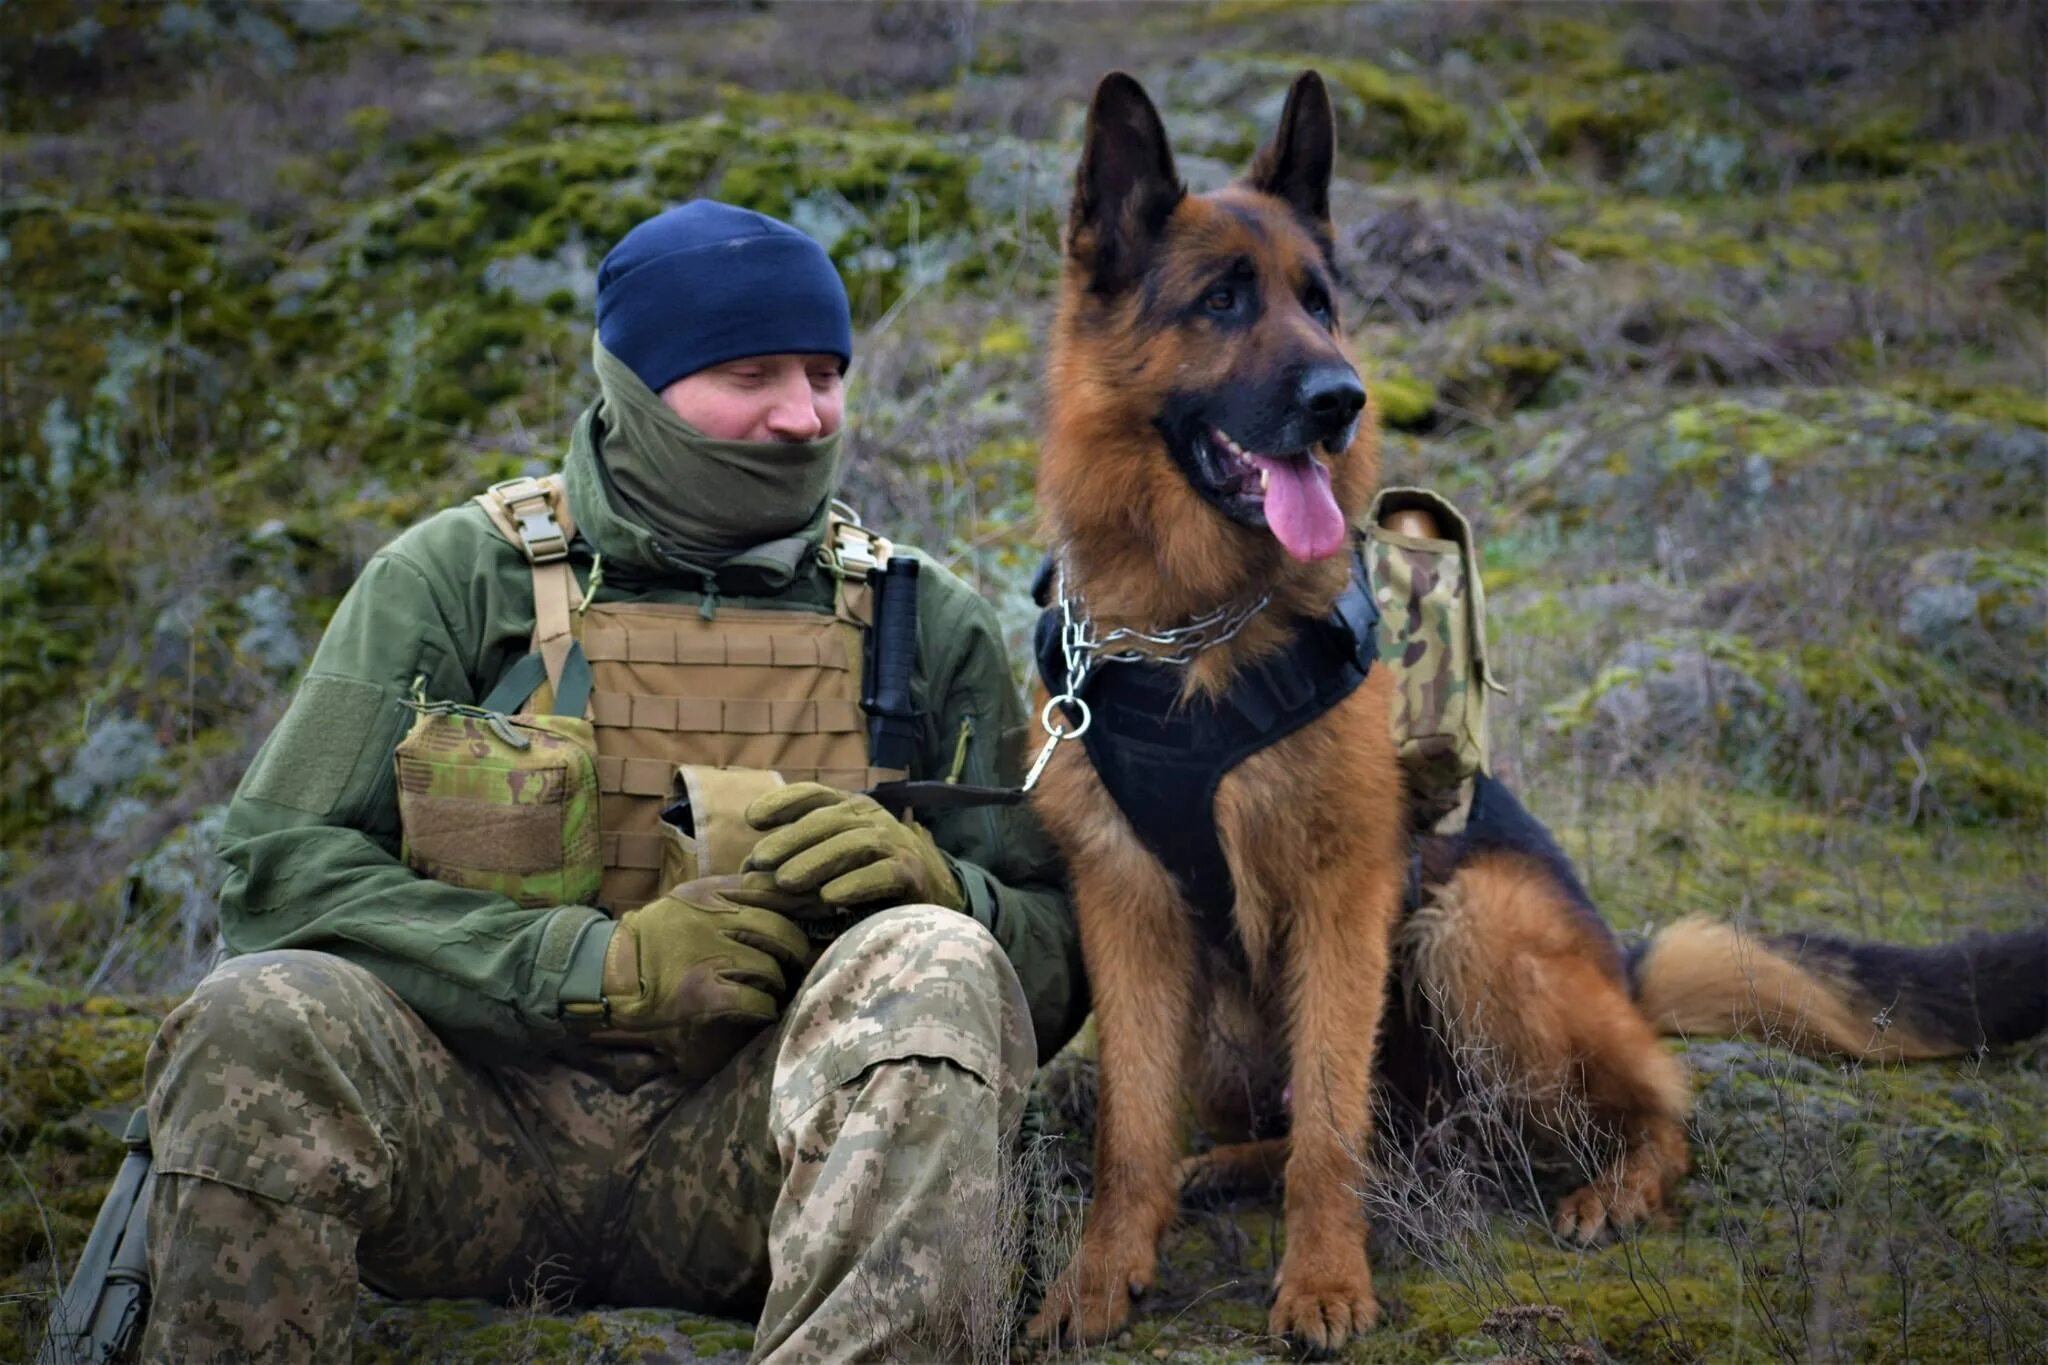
point(1209, 440)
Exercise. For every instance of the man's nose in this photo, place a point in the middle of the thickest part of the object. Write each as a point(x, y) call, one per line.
point(795, 414)
point(1333, 398)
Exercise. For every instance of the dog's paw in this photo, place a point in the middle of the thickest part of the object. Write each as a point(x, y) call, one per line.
point(1091, 1300)
point(1585, 1214)
point(1318, 1305)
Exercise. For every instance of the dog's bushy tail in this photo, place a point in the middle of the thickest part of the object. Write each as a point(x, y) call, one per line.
point(1824, 995)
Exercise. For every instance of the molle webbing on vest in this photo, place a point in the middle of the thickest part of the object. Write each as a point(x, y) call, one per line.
point(750, 688)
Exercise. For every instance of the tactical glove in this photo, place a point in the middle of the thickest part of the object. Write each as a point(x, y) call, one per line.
point(701, 970)
point(847, 852)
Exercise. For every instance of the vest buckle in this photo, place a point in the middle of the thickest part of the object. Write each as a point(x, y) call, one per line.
point(533, 514)
point(542, 536)
point(851, 551)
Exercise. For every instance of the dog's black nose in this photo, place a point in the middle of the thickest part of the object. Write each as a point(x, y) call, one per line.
point(1333, 398)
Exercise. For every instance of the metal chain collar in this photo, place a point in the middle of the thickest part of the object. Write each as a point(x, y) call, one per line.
point(1082, 649)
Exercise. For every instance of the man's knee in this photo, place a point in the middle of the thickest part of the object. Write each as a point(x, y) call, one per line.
point(268, 1078)
point(916, 981)
point(916, 964)
point(918, 937)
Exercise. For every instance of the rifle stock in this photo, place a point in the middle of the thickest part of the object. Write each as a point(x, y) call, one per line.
point(99, 1317)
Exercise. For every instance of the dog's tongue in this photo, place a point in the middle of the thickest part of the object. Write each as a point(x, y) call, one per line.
point(1300, 508)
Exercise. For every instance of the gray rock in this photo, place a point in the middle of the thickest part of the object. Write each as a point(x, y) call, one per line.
point(1985, 612)
point(1678, 691)
point(272, 638)
point(1934, 614)
point(118, 749)
point(1770, 1128)
point(535, 279)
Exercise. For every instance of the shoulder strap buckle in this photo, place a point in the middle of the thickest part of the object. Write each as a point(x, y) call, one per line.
point(531, 503)
point(850, 550)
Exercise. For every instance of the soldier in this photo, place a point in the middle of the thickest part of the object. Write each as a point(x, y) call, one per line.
point(562, 1062)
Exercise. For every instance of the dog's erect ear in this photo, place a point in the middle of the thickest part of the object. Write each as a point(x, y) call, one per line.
point(1296, 165)
point(1126, 186)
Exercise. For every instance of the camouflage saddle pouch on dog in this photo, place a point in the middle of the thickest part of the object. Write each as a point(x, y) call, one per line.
point(498, 799)
point(1425, 579)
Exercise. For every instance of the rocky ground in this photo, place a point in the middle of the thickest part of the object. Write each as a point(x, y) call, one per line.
point(1725, 325)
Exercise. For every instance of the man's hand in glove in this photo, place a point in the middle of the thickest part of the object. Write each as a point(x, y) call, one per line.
point(847, 851)
point(701, 970)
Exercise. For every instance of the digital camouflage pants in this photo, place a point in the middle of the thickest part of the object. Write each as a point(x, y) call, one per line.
point(841, 1178)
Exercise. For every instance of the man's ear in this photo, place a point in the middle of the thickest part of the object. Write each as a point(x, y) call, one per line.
point(1296, 165)
point(1126, 186)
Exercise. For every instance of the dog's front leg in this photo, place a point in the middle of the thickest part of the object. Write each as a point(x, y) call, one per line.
point(1141, 965)
point(1337, 952)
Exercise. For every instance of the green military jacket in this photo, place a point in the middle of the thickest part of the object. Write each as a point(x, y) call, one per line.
point(312, 836)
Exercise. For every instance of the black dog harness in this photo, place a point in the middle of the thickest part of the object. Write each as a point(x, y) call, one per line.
point(1161, 758)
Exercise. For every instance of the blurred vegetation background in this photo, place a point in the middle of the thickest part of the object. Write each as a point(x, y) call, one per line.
point(1724, 322)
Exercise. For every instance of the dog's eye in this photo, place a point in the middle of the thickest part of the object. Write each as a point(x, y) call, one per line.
point(1221, 299)
point(1317, 302)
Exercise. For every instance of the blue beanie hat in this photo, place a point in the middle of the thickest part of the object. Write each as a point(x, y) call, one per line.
point(705, 283)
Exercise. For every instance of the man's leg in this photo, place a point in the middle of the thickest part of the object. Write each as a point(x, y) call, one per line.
point(307, 1129)
point(851, 1164)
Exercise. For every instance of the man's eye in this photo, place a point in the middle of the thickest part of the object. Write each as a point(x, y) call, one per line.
point(1221, 299)
point(824, 379)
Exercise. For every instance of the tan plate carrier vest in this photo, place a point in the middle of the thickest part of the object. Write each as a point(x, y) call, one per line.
point(746, 688)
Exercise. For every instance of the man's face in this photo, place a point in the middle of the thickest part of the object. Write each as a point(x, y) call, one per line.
point(762, 398)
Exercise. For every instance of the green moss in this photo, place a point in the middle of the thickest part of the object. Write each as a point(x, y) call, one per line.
point(1404, 401)
point(1993, 402)
point(2000, 774)
point(727, 1337)
point(1685, 848)
point(1615, 240)
point(1655, 1299)
point(54, 1065)
point(1591, 114)
point(1004, 339)
point(1886, 142)
point(1404, 116)
point(122, 304)
point(1982, 786)
point(1498, 376)
point(1523, 364)
point(1548, 39)
point(1703, 437)
point(1226, 13)
point(69, 1068)
point(1608, 131)
point(885, 202)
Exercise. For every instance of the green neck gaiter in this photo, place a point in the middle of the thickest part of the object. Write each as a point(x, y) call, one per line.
point(706, 499)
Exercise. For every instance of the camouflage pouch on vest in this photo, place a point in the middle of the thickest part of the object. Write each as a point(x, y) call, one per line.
point(504, 803)
point(1425, 577)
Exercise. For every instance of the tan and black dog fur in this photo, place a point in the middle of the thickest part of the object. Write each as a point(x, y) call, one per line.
point(1184, 319)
